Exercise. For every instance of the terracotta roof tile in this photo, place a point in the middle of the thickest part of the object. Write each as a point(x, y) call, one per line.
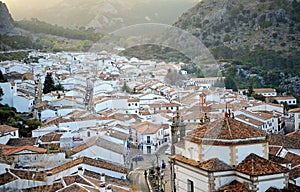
point(30, 175)
point(75, 179)
point(214, 165)
point(226, 131)
point(118, 134)
point(6, 128)
point(293, 158)
point(147, 128)
point(49, 137)
point(254, 165)
point(278, 160)
point(296, 110)
point(274, 150)
point(211, 165)
point(250, 120)
point(95, 178)
point(13, 151)
point(234, 186)
point(264, 90)
point(294, 134)
point(89, 161)
point(259, 114)
point(18, 142)
point(283, 97)
point(6, 159)
point(6, 178)
point(284, 141)
point(49, 188)
point(85, 145)
point(74, 187)
point(295, 173)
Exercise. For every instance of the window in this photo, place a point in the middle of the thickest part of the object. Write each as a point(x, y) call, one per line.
point(88, 134)
point(136, 104)
point(129, 104)
point(148, 139)
point(190, 186)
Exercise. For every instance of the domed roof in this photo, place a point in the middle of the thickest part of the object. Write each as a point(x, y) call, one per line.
point(226, 131)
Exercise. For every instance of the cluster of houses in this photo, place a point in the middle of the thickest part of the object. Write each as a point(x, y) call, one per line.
point(110, 104)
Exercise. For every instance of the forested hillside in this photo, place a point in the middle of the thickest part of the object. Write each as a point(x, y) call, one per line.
point(259, 38)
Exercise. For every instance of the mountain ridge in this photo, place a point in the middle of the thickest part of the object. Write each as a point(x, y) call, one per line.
point(104, 15)
point(6, 20)
point(259, 38)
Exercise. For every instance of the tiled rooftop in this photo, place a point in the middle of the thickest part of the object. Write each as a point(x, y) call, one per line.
point(147, 128)
point(18, 142)
point(75, 179)
point(211, 165)
point(234, 186)
point(74, 187)
point(226, 129)
point(278, 160)
point(296, 110)
point(264, 90)
point(295, 134)
point(6, 178)
point(49, 188)
point(30, 175)
point(284, 141)
point(259, 114)
point(49, 137)
point(274, 150)
point(6, 129)
point(13, 151)
point(293, 158)
point(89, 161)
point(295, 173)
point(255, 165)
point(85, 145)
point(6, 159)
point(250, 120)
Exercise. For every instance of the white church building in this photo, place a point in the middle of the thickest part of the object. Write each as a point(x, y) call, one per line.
point(225, 154)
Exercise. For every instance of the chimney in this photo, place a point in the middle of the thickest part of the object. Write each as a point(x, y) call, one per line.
point(109, 188)
point(102, 179)
point(80, 170)
point(102, 187)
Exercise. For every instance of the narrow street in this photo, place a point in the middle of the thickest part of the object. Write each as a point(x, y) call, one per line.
point(137, 177)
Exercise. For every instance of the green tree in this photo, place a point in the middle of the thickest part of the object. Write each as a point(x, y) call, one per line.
point(49, 84)
point(259, 97)
point(230, 84)
point(59, 87)
point(250, 89)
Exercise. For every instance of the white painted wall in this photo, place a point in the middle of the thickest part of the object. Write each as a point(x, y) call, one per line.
point(220, 152)
point(96, 152)
point(277, 181)
point(244, 150)
point(183, 174)
point(35, 158)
